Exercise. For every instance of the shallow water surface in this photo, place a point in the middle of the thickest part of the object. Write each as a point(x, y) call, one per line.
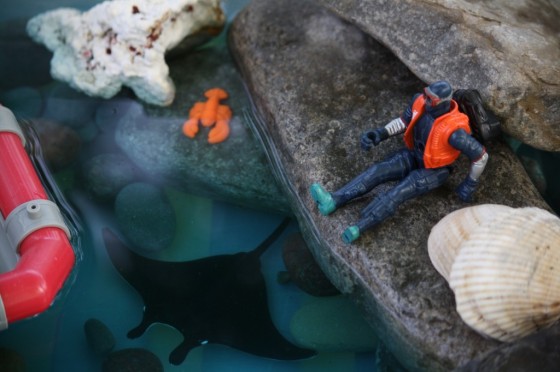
point(171, 226)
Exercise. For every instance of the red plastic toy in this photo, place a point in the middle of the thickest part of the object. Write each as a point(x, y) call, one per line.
point(32, 228)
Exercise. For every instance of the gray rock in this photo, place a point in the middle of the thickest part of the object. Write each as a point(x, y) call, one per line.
point(145, 216)
point(235, 170)
point(60, 144)
point(106, 174)
point(68, 106)
point(99, 337)
point(318, 82)
point(303, 270)
point(507, 50)
point(537, 352)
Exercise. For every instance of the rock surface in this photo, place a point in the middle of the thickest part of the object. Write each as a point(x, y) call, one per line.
point(106, 174)
point(60, 144)
point(318, 83)
point(151, 229)
point(303, 270)
point(538, 352)
point(99, 337)
point(508, 50)
point(235, 170)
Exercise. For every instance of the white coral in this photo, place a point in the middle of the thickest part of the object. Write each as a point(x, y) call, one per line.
point(121, 42)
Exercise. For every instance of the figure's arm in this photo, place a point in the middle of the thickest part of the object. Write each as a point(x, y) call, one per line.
point(374, 137)
point(469, 146)
point(394, 127)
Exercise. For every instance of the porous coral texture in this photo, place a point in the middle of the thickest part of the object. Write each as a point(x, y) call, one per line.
point(122, 42)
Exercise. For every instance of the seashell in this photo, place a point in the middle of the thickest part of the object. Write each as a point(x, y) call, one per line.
point(451, 231)
point(506, 272)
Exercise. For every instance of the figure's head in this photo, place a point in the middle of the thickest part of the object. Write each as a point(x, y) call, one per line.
point(438, 93)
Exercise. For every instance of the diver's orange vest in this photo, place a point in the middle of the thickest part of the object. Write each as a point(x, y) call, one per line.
point(438, 152)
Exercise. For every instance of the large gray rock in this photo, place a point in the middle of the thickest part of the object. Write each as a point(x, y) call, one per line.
point(509, 50)
point(318, 82)
point(235, 170)
point(537, 352)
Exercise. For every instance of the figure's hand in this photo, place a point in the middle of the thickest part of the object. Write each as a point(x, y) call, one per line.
point(466, 189)
point(373, 138)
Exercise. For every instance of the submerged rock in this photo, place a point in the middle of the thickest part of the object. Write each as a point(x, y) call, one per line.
point(99, 337)
point(145, 216)
point(60, 144)
point(318, 82)
point(235, 170)
point(538, 352)
point(508, 50)
point(106, 174)
point(133, 360)
point(333, 325)
point(303, 269)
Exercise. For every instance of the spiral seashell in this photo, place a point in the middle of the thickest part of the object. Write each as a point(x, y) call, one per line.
point(451, 231)
point(506, 272)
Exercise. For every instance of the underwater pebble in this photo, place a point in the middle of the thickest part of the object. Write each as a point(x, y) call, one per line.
point(11, 361)
point(60, 144)
point(73, 112)
point(25, 102)
point(111, 111)
point(132, 360)
point(303, 270)
point(88, 132)
point(332, 324)
point(99, 337)
point(145, 216)
point(106, 174)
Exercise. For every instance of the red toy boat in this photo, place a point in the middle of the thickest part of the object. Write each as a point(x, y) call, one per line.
point(36, 256)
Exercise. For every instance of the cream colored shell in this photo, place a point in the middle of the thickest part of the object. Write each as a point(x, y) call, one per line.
point(506, 272)
point(452, 230)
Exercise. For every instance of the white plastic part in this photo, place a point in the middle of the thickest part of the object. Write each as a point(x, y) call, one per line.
point(3, 317)
point(32, 216)
point(8, 255)
point(8, 123)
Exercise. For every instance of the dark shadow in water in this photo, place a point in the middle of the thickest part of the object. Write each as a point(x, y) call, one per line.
point(220, 299)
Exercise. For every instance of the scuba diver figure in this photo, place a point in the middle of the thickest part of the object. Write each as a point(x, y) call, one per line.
point(435, 134)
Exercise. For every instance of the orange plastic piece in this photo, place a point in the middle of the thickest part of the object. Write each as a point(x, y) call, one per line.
point(210, 113)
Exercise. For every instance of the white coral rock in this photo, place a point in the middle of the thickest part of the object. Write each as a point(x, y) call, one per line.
point(121, 42)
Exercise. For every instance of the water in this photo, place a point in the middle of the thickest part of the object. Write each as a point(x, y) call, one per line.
point(55, 340)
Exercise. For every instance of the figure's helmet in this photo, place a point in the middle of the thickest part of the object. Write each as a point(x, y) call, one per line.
point(438, 93)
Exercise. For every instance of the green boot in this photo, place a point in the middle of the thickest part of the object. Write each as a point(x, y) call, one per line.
point(323, 198)
point(350, 234)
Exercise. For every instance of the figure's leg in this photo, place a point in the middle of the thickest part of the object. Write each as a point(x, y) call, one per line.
point(418, 182)
point(393, 168)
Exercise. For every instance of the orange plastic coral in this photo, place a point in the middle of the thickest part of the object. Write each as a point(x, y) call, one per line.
point(210, 113)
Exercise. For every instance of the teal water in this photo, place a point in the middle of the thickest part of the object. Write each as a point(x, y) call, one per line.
point(55, 340)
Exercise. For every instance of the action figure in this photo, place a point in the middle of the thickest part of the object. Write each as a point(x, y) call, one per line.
point(435, 134)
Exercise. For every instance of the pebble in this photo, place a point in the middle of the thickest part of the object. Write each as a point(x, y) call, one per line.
point(99, 337)
point(145, 216)
point(106, 174)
